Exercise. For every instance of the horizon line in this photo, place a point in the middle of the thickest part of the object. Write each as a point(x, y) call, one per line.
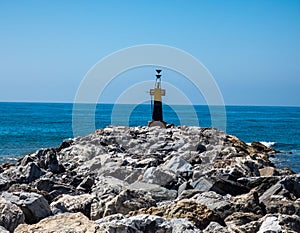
point(197, 104)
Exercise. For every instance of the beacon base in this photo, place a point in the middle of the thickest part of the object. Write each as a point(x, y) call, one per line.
point(161, 124)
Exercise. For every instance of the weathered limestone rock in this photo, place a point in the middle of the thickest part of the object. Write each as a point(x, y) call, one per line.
point(24, 174)
point(220, 185)
point(3, 230)
point(259, 147)
point(4, 182)
point(178, 165)
point(268, 171)
point(10, 215)
point(34, 206)
point(159, 176)
point(157, 192)
point(198, 214)
point(79, 203)
point(238, 220)
point(270, 224)
point(215, 227)
point(216, 202)
point(145, 223)
point(128, 200)
point(62, 223)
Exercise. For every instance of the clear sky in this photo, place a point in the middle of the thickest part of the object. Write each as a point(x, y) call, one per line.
point(252, 48)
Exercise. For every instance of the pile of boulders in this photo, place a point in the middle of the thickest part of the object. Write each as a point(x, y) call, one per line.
point(141, 179)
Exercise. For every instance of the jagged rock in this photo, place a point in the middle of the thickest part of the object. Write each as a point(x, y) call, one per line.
point(238, 220)
point(280, 204)
point(24, 174)
point(3, 230)
point(67, 203)
point(268, 171)
point(292, 184)
point(105, 189)
point(178, 166)
point(45, 159)
point(215, 227)
point(270, 224)
point(86, 185)
point(4, 182)
point(10, 215)
point(260, 184)
point(200, 148)
point(259, 147)
point(283, 197)
point(159, 176)
point(220, 185)
point(129, 200)
point(158, 193)
point(216, 202)
point(145, 223)
point(198, 214)
point(289, 223)
point(62, 223)
point(64, 144)
point(248, 202)
point(34, 206)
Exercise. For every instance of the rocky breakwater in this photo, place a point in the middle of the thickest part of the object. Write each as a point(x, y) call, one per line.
point(140, 179)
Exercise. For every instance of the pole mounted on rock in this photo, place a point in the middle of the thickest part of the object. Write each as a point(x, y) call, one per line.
point(157, 112)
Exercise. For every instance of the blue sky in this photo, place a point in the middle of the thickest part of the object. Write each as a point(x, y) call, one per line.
point(252, 48)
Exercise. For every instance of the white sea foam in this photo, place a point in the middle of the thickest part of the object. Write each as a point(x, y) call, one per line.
point(268, 144)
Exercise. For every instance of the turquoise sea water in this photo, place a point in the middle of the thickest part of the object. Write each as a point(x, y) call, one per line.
point(26, 127)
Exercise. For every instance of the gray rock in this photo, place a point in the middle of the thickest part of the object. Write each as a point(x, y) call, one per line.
point(203, 184)
point(4, 182)
point(216, 202)
point(135, 175)
point(24, 174)
point(220, 185)
point(270, 225)
point(238, 220)
point(105, 189)
point(159, 176)
point(31, 172)
point(10, 215)
point(47, 159)
point(289, 223)
point(34, 206)
point(292, 184)
point(67, 203)
point(215, 227)
point(129, 200)
point(108, 185)
point(3, 230)
point(280, 204)
point(158, 193)
point(178, 165)
point(86, 184)
point(145, 223)
point(180, 225)
point(200, 148)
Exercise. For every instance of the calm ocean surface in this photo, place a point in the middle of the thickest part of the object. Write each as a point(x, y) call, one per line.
point(27, 127)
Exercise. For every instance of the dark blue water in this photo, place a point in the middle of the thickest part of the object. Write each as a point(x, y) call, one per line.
point(26, 127)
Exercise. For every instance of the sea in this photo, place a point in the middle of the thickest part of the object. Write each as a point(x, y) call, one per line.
point(27, 127)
